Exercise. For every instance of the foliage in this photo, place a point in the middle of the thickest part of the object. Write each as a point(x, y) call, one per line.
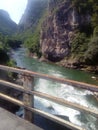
point(85, 49)
point(83, 6)
point(13, 43)
point(85, 45)
point(7, 26)
point(4, 58)
point(33, 42)
point(95, 14)
point(29, 22)
point(88, 7)
point(6, 43)
point(91, 55)
point(30, 26)
point(95, 33)
point(11, 63)
point(79, 43)
point(3, 44)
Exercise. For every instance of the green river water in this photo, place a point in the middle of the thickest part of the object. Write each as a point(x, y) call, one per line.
point(70, 93)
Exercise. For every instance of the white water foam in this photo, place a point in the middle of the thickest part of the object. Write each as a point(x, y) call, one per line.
point(66, 92)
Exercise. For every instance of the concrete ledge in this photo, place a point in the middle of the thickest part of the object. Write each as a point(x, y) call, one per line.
point(9, 121)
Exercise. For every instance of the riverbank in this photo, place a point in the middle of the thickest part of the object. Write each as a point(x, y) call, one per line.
point(79, 66)
point(70, 64)
point(73, 65)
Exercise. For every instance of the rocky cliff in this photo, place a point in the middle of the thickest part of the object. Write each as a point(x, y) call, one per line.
point(32, 15)
point(58, 30)
point(66, 32)
point(30, 25)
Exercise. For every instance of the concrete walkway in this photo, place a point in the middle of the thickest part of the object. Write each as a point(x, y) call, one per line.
point(9, 121)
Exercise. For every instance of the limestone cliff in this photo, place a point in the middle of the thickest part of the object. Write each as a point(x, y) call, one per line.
point(32, 15)
point(60, 28)
point(66, 21)
point(63, 31)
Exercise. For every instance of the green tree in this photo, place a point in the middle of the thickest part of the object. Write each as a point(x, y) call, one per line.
point(91, 55)
point(95, 34)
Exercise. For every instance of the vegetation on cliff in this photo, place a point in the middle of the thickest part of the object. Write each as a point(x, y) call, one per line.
point(70, 31)
point(63, 31)
point(33, 42)
point(85, 44)
point(7, 41)
point(30, 25)
point(7, 26)
point(4, 58)
point(6, 44)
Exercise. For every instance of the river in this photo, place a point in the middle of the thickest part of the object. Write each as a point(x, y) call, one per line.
point(70, 93)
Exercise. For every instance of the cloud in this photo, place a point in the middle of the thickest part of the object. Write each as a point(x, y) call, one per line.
point(15, 8)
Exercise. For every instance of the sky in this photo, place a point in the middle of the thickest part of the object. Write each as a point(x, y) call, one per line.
point(15, 8)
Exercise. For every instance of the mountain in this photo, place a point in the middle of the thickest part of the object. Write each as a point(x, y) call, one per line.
point(69, 35)
point(30, 24)
point(31, 16)
point(62, 31)
point(7, 26)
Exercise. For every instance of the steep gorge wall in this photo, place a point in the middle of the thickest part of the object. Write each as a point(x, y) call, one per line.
point(62, 25)
point(68, 35)
point(32, 15)
point(59, 29)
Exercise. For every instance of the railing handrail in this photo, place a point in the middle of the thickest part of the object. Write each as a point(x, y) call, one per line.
point(29, 93)
point(78, 84)
point(51, 98)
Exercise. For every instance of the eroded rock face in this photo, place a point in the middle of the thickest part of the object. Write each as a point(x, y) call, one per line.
point(59, 29)
point(32, 15)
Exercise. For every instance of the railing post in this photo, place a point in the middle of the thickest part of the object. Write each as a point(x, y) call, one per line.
point(27, 98)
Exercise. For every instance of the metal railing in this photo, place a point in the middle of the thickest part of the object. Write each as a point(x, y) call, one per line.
point(28, 95)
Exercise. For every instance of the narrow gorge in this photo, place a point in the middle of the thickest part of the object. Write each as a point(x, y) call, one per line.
point(66, 35)
point(63, 32)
